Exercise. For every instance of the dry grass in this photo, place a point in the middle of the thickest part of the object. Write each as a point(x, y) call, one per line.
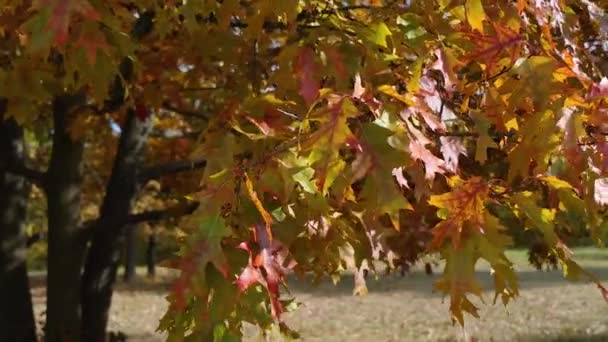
point(405, 309)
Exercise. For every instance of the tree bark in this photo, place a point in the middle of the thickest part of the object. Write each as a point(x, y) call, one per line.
point(104, 253)
point(66, 245)
point(130, 253)
point(151, 255)
point(16, 314)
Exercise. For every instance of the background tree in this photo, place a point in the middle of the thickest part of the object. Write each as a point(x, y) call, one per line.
point(333, 135)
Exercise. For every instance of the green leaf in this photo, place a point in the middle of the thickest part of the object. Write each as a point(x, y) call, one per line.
point(380, 193)
point(459, 279)
point(378, 34)
point(540, 218)
point(326, 142)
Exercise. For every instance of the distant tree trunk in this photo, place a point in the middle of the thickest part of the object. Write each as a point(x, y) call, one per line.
point(104, 253)
point(66, 243)
point(130, 252)
point(151, 255)
point(16, 314)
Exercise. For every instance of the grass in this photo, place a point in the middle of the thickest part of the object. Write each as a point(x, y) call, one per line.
point(405, 308)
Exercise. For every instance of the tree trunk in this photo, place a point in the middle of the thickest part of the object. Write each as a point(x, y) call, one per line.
point(151, 255)
point(66, 243)
point(16, 314)
point(130, 252)
point(104, 254)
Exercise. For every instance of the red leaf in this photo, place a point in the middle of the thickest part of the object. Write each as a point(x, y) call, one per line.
point(337, 61)
point(141, 112)
point(61, 14)
point(305, 70)
point(266, 268)
point(490, 48)
point(598, 90)
point(248, 277)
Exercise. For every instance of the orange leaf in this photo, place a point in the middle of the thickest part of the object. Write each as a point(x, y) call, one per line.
point(464, 210)
point(258, 204)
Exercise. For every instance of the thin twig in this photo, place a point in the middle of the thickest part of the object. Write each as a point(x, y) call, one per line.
point(170, 168)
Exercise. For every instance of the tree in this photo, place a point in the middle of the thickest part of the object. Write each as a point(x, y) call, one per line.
point(18, 323)
point(332, 134)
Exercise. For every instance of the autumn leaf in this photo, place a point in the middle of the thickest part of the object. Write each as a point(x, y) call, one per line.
point(306, 69)
point(206, 248)
point(267, 268)
point(459, 279)
point(598, 90)
point(93, 42)
point(322, 128)
point(600, 191)
point(475, 14)
point(259, 206)
point(378, 33)
point(491, 47)
point(539, 218)
point(484, 140)
point(326, 142)
point(452, 148)
point(534, 146)
point(377, 161)
point(61, 12)
point(432, 164)
point(461, 210)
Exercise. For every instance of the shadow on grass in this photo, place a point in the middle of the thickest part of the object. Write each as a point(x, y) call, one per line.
point(160, 284)
point(563, 338)
point(415, 281)
point(420, 282)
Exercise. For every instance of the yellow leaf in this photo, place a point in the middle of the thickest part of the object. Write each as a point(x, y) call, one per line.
point(556, 183)
point(414, 83)
point(475, 14)
point(390, 91)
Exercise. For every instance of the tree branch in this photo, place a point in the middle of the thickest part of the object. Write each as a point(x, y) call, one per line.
point(174, 134)
point(29, 174)
point(185, 112)
point(170, 168)
point(158, 215)
point(147, 216)
point(188, 89)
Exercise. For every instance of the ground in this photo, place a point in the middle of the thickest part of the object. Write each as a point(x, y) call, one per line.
point(405, 309)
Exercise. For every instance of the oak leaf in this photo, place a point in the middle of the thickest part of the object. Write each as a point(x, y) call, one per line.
point(462, 210)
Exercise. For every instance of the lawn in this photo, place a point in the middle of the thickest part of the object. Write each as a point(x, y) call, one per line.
point(405, 309)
